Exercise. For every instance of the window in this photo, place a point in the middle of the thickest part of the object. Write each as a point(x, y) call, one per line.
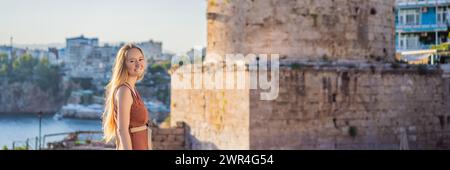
point(442, 15)
point(409, 42)
point(409, 17)
point(412, 42)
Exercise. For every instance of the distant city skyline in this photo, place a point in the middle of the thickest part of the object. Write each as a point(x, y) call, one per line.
point(178, 24)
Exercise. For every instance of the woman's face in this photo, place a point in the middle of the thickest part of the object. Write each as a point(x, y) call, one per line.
point(135, 62)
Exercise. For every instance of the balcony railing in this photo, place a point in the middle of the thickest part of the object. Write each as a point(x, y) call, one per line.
point(424, 3)
point(420, 47)
point(421, 28)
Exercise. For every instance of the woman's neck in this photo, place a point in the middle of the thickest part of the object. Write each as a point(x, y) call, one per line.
point(132, 81)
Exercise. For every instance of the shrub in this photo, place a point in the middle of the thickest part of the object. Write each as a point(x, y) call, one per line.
point(353, 131)
point(295, 66)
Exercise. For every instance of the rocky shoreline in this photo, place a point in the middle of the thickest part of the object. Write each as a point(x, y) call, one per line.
point(158, 112)
point(28, 98)
point(93, 111)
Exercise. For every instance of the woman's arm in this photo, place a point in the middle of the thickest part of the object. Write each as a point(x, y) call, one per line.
point(124, 102)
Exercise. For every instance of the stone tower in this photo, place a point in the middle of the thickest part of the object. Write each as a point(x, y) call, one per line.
point(348, 30)
point(339, 87)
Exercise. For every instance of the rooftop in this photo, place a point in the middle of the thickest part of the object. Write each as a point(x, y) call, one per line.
point(82, 37)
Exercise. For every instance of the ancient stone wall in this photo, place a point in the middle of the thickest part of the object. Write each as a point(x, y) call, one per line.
point(173, 138)
point(217, 119)
point(323, 106)
point(350, 107)
point(337, 89)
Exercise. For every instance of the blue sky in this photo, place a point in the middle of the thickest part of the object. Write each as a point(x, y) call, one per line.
point(179, 24)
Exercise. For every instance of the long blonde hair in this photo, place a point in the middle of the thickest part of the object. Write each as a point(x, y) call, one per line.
point(119, 77)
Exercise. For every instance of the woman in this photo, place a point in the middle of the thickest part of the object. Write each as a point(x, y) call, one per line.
point(125, 117)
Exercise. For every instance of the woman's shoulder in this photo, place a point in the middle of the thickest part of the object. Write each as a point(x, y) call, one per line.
point(123, 91)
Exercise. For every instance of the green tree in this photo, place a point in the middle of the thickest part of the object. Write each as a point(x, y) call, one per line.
point(22, 68)
point(157, 76)
point(46, 76)
point(39, 72)
point(4, 65)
